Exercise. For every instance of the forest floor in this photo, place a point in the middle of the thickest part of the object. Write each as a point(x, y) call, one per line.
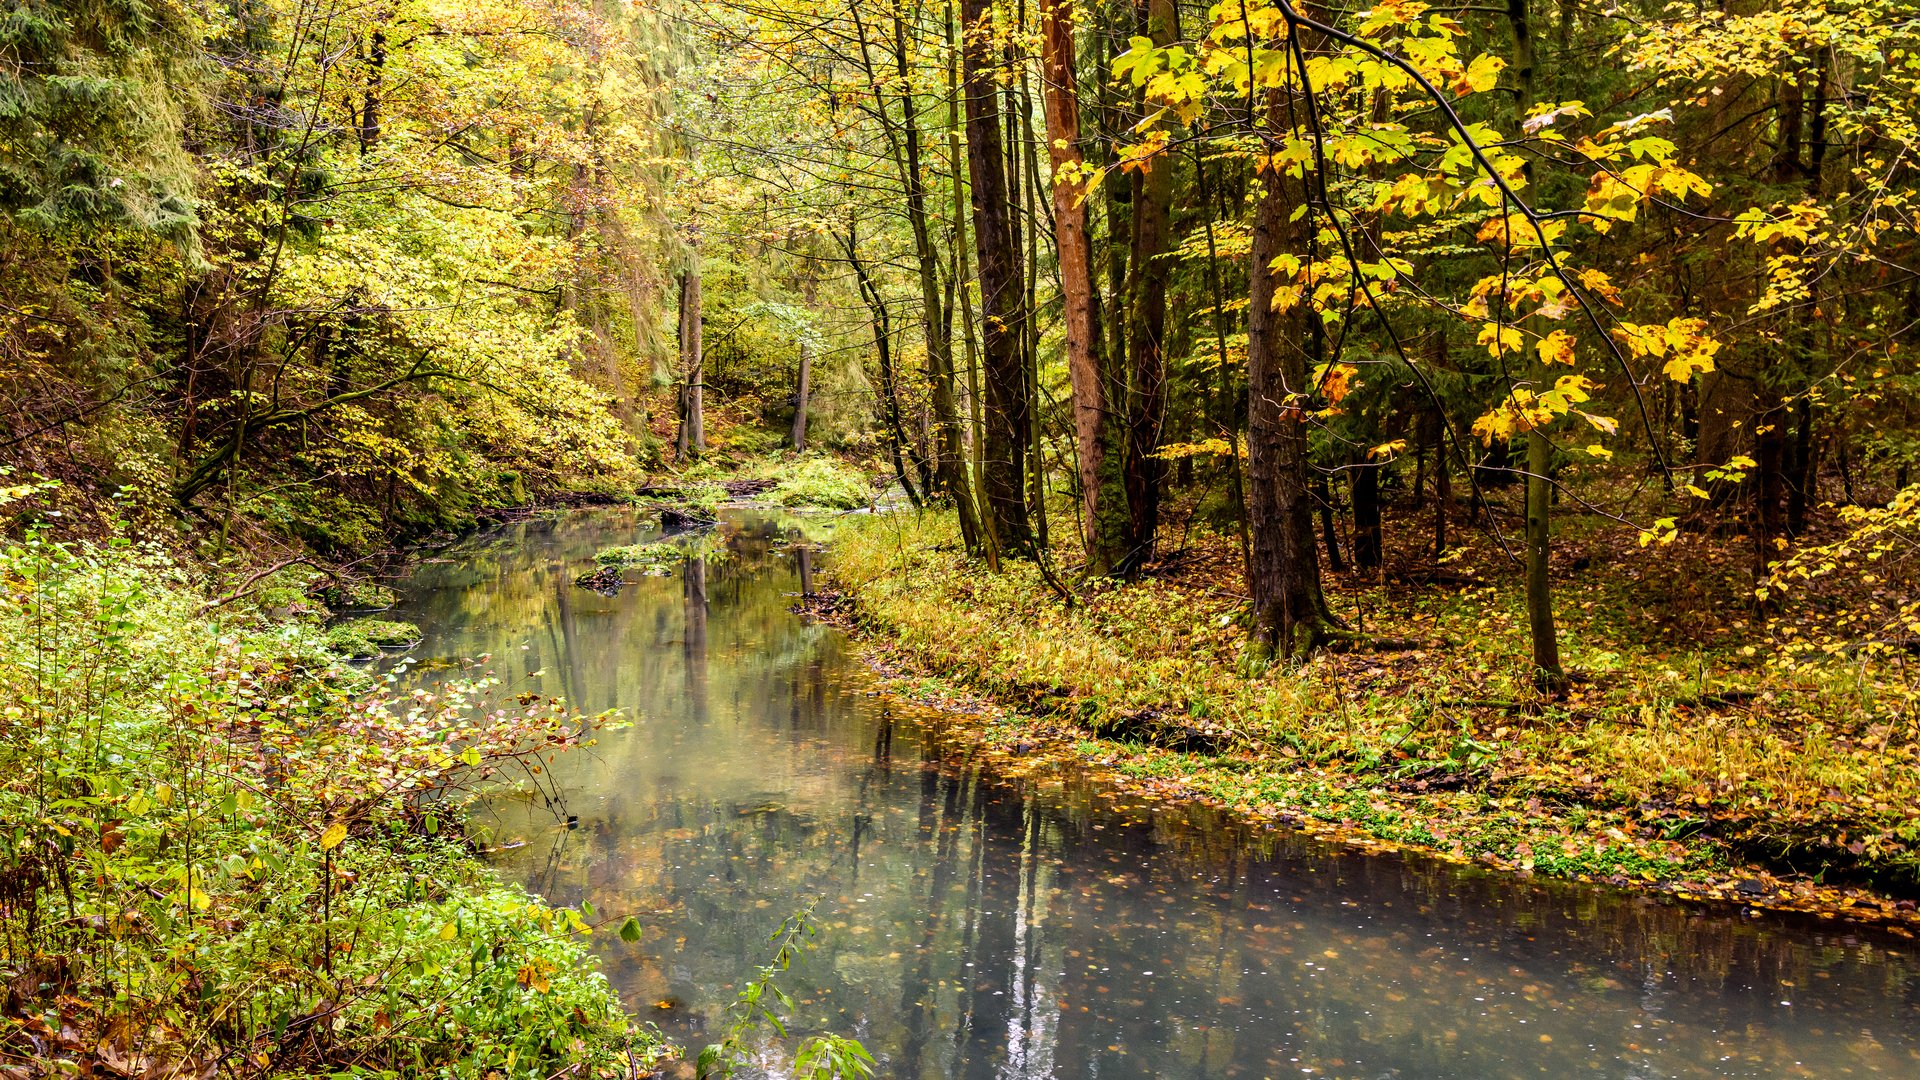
point(1683, 760)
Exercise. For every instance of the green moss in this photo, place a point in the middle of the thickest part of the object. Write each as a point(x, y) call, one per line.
point(823, 482)
point(362, 639)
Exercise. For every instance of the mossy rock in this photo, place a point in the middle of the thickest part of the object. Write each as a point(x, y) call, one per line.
point(363, 639)
point(638, 555)
point(660, 557)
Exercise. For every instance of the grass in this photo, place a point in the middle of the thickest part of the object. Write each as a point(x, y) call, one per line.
point(1688, 765)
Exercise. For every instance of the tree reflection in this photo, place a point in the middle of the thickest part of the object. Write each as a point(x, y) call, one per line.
point(1049, 926)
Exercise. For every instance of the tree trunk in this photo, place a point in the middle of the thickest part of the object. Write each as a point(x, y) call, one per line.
point(691, 441)
point(1291, 616)
point(370, 104)
point(1002, 303)
point(1147, 319)
point(1329, 534)
point(948, 453)
point(1366, 517)
point(1098, 436)
point(1546, 642)
point(963, 280)
point(801, 388)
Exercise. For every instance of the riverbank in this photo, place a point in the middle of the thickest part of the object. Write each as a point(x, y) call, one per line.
point(1709, 776)
point(232, 854)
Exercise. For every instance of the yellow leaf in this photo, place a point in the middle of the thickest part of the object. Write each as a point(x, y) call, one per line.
point(332, 838)
point(1556, 348)
point(1499, 339)
point(1480, 76)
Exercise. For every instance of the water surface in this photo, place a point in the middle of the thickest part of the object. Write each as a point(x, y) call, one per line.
point(1048, 926)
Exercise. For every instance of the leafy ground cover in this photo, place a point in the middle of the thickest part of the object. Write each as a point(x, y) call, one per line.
point(1707, 770)
point(227, 854)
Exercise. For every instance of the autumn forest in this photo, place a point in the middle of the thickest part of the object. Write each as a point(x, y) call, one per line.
point(1483, 434)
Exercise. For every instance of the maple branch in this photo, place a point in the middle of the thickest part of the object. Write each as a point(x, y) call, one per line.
point(1297, 20)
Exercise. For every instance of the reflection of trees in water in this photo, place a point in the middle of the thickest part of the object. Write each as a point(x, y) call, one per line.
point(693, 636)
point(1063, 897)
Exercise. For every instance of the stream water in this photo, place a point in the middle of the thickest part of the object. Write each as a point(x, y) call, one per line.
point(973, 926)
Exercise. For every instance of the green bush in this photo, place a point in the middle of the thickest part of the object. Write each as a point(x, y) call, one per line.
point(218, 860)
point(823, 482)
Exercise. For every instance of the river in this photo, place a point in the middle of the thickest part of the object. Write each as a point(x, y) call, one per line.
point(976, 926)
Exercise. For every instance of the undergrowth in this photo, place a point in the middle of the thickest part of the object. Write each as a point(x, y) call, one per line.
point(227, 855)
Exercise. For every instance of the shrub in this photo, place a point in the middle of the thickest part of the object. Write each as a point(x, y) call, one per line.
point(823, 482)
point(217, 859)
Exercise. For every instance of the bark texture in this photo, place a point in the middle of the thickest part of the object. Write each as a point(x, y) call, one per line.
point(1002, 297)
point(1099, 436)
point(1291, 616)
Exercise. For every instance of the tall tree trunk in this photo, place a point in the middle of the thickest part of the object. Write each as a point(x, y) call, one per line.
point(1003, 326)
point(1539, 546)
point(801, 388)
point(691, 441)
point(1099, 437)
point(948, 453)
point(1023, 162)
point(1147, 318)
point(963, 280)
point(1291, 615)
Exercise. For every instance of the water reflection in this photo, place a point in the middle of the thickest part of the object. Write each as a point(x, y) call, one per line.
point(1048, 927)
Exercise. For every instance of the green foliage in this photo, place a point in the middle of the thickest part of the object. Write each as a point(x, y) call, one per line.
point(260, 861)
point(363, 639)
point(91, 102)
point(823, 482)
point(392, 353)
point(762, 1003)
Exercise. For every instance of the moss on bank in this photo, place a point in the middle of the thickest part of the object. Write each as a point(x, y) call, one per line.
point(362, 639)
point(227, 855)
point(1644, 777)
